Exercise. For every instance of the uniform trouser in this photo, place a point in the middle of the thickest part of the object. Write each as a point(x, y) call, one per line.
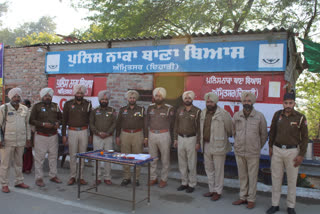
point(78, 142)
point(187, 158)
point(214, 166)
point(42, 146)
point(131, 143)
point(7, 154)
point(248, 168)
point(160, 142)
point(105, 144)
point(283, 158)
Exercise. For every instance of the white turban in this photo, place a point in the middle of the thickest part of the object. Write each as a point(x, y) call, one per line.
point(190, 94)
point(161, 90)
point(103, 94)
point(13, 92)
point(45, 91)
point(132, 92)
point(251, 96)
point(78, 87)
point(212, 96)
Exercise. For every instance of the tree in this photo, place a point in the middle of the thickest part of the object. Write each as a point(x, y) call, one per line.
point(3, 9)
point(37, 38)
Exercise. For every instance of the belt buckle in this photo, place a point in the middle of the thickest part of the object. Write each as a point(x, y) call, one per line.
point(78, 129)
point(131, 131)
point(283, 146)
point(156, 131)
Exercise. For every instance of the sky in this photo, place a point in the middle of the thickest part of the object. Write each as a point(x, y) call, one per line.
point(67, 18)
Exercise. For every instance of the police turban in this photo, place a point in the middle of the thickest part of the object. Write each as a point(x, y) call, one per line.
point(45, 91)
point(245, 94)
point(132, 93)
point(103, 94)
point(13, 92)
point(79, 87)
point(212, 96)
point(161, 90)
point(190, 94)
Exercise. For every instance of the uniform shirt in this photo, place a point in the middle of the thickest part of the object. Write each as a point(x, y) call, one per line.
point(207, 125)
point(187, 122)
point(159, 118)
point(45, 113)
point(75, 115)
point(286, 130)
point(130, 119)
point(103, 120)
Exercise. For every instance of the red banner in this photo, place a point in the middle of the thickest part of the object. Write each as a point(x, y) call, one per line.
point(64, 84)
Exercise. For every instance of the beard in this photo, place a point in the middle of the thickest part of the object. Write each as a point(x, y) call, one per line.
point(211, 108)
point(288, 109)
point(79, 98)
point(158, 102)
point(47, 101)
point(132, 103)
point(14, 103)
point(187, 103)
point(247, 107)
point(103, 104)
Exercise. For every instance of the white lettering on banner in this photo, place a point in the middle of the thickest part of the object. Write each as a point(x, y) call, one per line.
point(218, 80)
point(253, 81)
point(163, 55)
point(125, 68)
point(233, 93)
point(236, 80)
point(162, 67)
point(83, 57)
point(125, 56)
point(65, 86)
point(191, 51)
point(62, 83)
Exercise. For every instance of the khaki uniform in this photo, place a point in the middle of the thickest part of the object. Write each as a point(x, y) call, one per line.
point(288, 139)
point(187, 133)
point(250, 135)
point(76, 117)
point(216, 149)
point(130, 129)
point(159, 125)
point(103, 120)
point(17, 132)
point(46, 140)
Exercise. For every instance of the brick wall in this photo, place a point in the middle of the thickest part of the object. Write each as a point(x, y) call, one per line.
point(24, 68)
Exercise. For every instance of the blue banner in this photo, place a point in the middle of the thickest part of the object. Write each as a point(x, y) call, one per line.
point(201, 57)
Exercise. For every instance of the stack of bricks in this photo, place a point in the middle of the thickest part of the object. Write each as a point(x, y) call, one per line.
point(24, 68)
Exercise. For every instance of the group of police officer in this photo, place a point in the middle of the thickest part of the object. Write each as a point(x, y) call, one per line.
point(191, 129)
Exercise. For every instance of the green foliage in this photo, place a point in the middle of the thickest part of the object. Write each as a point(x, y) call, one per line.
point(37, 38)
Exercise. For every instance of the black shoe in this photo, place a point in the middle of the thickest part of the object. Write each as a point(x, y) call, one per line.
point(182, 187)
point(272, 210)
point(189, 190)
point(125, 182)
point(291, 211)
point(137, 183)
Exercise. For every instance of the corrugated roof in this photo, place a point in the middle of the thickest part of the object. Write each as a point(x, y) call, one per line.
point(194, 35)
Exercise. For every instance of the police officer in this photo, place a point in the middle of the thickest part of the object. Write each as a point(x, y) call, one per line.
point(14, 121)
point(187, 140)
point(160, 119)
point(46, 117)
point(250, 134)
point(130, 132)
point(288, 142)
point(215, 128)
point(102, 124)
point(76, 114)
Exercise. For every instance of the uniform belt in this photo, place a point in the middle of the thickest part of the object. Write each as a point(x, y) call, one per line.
point(45, 134)
point(108, 135)
point(159, 131)
point(78, 128)
point(131, 130)
point(187, 135)
point(286, 146)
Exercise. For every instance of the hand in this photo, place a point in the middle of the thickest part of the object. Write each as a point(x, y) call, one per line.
point(90, 139)
point(103, 135)
point(270, 151)
point(28, 143)
point(57, 125)
point(64, 140)
point(145, 142)
point(118, 141)
point(48, 125)
point(297, 161)
point(197, 146)
point(175, 143)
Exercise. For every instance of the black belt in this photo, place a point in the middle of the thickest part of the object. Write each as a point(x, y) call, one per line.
point(286, 146)
point(187, 135)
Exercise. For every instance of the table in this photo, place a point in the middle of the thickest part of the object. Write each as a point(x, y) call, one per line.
point(108, 157)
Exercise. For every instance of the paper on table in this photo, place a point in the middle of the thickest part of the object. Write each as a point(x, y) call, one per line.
point(139, 156)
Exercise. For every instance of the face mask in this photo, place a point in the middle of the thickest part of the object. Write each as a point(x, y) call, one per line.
point(104, 104)
point(188, 103)
point(247, 107)
point(14, 103)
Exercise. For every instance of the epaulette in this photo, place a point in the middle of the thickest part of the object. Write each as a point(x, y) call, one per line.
point(152, 104)
point(168, 105)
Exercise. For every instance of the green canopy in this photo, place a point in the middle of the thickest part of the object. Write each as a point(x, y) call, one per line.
point(312, 55)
